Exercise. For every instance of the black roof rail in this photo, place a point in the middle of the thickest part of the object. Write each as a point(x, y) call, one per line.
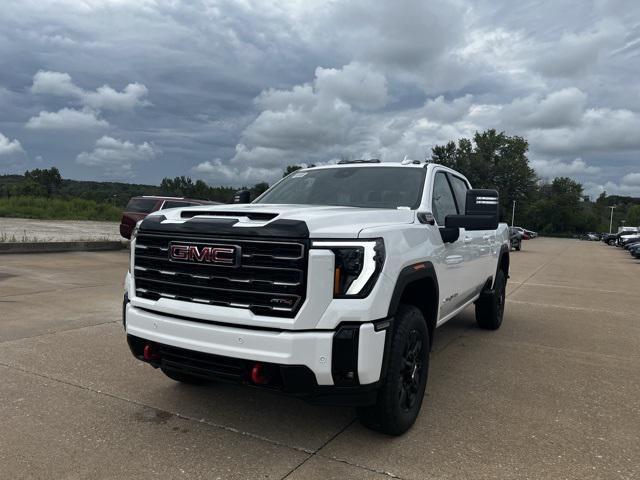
point(371, 160)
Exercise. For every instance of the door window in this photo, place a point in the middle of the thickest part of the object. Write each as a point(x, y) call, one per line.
point(443, 203)
point(460, 190)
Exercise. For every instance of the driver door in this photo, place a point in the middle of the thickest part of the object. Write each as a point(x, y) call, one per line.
point(453, 258)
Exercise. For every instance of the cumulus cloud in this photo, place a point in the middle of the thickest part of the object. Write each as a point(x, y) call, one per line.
point(67, 119)
point(117, 157)
point(103, 98)
point(311, 123)
point(439, 109)
point(222, 174)
point(598, 130)
point(55, 83)
point(323, 116)
point(557, 168)
point(631, 179)
point(628, 185)
point(9, 147)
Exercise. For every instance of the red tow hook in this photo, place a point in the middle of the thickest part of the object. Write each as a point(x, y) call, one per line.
point(257, 374)
point(149, 353)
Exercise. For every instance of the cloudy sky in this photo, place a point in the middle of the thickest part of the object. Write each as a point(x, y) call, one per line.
point(233, 91)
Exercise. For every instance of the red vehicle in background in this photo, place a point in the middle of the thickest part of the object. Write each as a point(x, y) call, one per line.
point(140, 207)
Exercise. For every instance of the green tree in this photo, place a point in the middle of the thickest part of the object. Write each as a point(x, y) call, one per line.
point(559, 208)
point(492, 160)
point(258, 189)
point(633, 215)
point(50, 179)
point(290, 169)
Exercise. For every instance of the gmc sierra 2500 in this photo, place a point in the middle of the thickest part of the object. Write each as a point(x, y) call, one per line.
point(329, 286)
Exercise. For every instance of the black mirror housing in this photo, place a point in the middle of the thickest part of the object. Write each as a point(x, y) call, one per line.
point(481, 211)
point(241, 196)
point(449, 234)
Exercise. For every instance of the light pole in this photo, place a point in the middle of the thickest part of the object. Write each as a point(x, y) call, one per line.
point(513, 213)
point(611, 219)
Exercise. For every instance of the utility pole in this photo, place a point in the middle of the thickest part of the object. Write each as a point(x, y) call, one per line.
point(611, 219)
point(513, 213)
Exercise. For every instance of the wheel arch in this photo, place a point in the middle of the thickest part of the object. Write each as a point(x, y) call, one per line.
point(503, 262)
point(417, 285)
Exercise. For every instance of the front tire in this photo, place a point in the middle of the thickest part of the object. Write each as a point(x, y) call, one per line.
point(402, 388)
point(490, 305)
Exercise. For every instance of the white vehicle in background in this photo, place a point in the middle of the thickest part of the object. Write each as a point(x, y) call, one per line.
point(329, 286)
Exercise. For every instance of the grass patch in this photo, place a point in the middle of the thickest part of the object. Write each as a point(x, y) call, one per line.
point(44, 208)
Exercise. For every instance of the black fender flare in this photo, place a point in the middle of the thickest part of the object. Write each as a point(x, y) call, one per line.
point(504, 250)
point(408, 275)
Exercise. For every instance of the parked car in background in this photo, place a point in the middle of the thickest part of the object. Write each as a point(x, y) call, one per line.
point(625, 238)
point(618, 238)
point(515, 238)
point(632, 246)
point(530, 233)
point(591, 236)
point(523, 232)
point(139, 207)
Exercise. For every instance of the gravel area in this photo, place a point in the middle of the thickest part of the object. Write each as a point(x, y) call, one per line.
point(29, 230)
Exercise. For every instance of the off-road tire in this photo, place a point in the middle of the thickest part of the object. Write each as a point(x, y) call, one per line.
point(402, 387)
point(183, 377)
point(490, 305)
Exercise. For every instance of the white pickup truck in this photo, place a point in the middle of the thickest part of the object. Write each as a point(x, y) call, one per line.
point(329, 286)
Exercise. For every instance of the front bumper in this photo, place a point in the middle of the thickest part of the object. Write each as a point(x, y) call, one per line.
point(346, 361)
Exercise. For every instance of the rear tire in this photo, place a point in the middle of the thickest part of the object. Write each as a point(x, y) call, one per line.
point(183, 377)
point(402, 387)
point(490, 305)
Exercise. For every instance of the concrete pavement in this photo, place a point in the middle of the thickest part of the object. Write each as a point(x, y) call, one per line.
point(555, 393)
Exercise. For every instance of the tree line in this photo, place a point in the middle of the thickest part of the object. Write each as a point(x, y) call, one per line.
point(490, 159)
point(493, 159)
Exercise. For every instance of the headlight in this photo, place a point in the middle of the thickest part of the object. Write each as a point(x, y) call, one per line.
point(357, 267)
point(134, 234)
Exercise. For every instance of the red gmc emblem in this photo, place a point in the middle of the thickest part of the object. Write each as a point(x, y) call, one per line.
point(227, 255)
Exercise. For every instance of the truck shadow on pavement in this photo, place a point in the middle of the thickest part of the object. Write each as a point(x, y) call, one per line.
point(269, 415)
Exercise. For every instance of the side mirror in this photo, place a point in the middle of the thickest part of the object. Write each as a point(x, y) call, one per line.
point(241, 196)
point(449, 234)
point(481, 212)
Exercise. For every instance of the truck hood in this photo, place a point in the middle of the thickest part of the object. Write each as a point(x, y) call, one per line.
point(321, 221)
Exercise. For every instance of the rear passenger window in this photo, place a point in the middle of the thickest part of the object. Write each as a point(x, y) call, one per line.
point(460, 191)
point(443, 203)
point(173, 204)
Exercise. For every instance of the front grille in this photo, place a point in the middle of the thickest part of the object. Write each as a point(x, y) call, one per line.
point(270, 280)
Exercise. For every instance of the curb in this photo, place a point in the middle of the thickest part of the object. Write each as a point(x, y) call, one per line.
point(51, 247)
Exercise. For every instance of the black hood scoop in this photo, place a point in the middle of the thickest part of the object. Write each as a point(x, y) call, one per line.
point(200, 225)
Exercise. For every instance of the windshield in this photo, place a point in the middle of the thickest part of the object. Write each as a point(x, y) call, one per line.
point(376, 187)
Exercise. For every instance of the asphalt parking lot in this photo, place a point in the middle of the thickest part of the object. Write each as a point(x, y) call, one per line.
point(555, 393)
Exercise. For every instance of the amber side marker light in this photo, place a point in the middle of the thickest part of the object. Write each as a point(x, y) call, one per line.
point(336, 281)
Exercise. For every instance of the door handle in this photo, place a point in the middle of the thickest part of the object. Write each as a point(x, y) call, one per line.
point(468, 239)
point(486, 237)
